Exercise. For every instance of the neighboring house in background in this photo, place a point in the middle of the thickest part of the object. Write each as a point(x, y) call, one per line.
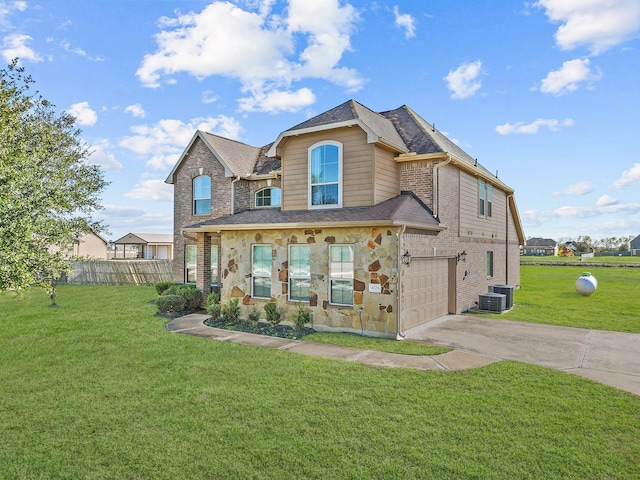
point(158, 246)
point(634, 246)
point(540, 247)
point(376, 222)
point(88, 245)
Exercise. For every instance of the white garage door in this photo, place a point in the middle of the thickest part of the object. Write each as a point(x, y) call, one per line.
point(425, 291)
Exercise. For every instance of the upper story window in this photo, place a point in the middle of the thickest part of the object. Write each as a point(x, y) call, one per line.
point(481, 198)
point(489, 201)
point(325, 175)
point(202, 195)
point(269, 197)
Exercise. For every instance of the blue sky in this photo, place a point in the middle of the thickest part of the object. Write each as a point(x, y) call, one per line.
point(545, 93)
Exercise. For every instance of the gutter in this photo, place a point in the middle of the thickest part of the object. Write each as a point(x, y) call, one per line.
point(233, 194)
point(399, 331)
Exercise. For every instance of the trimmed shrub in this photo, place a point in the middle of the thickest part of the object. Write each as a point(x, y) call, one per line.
point(191, 295)
point(168, 304)
point(214, 310)
point(274, 313)
point(213, 298)
point(254, 316)
point(231, 311)
point(161, 287)
point(300, 317)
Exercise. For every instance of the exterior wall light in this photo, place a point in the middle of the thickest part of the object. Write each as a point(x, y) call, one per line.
point(461, 256)
point(406, 258)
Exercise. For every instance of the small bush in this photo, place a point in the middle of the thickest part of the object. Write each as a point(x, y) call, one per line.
point(213, 298)
point(192, 297)
point(161, 287)
point(231, 311)
point(274, 313)
point(300, 317)
point(214, 309)
point(254, 316)
point(168, 304)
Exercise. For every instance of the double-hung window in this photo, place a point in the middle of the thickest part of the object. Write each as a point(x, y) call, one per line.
point(190, 263)
point(325, 175)
point(299, 273)
point(261, 271)
point(269, 197)
point(215, 272)
point(202, 195)
point(485, 199)
point(341, 266)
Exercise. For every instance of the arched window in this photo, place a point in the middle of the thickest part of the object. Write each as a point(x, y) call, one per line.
point(325, 175)
point(202, 195)
point(269, 197)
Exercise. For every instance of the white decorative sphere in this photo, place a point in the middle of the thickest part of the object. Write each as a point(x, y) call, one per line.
point(586, 284)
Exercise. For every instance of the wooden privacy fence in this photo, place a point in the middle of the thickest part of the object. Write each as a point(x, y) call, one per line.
point(120, 272)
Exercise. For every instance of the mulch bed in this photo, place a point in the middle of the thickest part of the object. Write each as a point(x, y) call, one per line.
point(282, 331)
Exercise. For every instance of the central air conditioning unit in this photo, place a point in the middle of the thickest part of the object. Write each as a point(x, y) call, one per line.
point(505, 290)
point(492, 302)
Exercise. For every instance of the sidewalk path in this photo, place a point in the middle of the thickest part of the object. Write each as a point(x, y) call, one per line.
point(611, 358)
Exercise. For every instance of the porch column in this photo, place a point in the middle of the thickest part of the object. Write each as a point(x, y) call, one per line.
point(203, 272)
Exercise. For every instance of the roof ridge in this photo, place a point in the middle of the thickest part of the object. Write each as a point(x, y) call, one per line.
point(228, 139)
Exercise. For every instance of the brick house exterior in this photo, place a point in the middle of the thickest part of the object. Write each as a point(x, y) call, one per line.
point(325, 214)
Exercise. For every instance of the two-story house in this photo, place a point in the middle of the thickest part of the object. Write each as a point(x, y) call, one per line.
point(376, 222)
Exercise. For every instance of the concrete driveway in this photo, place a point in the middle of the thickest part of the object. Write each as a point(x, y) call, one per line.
point(611, 358)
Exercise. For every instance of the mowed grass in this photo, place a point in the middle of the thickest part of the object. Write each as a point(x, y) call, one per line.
point(99, 389)
point(377, 344)
point(548, 296)
point(576, 260)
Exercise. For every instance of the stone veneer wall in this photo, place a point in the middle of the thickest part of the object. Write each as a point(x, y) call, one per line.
point(375, 252)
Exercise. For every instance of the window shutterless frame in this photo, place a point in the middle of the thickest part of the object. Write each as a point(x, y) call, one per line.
point(268, 197)
point(190, 263)
point(215, 272)
point(325, 175)
point(261, 264)
point(299, 273)
point(202, 195)
point(341, 272)
point(481, 198)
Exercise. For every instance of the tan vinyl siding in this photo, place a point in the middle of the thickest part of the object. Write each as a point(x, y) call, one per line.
point(387, 176)
point(471, 224)
point(357, 173)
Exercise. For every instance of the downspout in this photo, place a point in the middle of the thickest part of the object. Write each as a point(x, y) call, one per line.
point(233, 194)
point(506, 247)
point(399, 334)
point(435, 184)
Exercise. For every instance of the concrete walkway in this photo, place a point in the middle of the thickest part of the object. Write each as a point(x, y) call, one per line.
point(611, 358)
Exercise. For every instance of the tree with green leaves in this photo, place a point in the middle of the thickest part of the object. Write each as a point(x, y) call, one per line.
point(48, 190)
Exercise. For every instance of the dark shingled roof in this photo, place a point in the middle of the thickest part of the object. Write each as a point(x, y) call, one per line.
point(266, 164)
point(541, 242)
point(403, 209)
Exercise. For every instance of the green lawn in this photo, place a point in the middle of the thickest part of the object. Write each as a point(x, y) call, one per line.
point(548, 296)
point(608, 260)
point(99, 389)
point(378, 344)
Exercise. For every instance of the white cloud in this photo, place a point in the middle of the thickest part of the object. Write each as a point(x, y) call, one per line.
point(209, 97)
point(264, 58)
point(151, 189)
point(606, 201)
point(567, 79)
point(78, 51)
point(83, 113)
point(608, 207)
point(406, 21)
point(102, 157)
point(533, 127)
point(629, 177)
point(580, 188)
point(463, 81)
point(164, 141)
point(15, 45)
point(596, 24)
point(278, 101)
point(136, 110)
